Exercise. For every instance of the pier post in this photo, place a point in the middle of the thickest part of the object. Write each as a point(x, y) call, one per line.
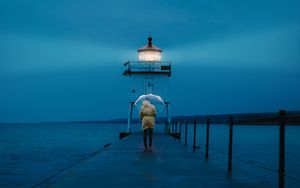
point(168, 117)
point(130, 117)
point(175, 130)
point(207, 138)
point(195, 129)
point(230, 144)
point(167, 128)
point(185, 133)
point(281, 149)
point(174, 127)
point(180, 131)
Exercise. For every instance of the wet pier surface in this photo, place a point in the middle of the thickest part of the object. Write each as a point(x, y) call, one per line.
point(169, 164)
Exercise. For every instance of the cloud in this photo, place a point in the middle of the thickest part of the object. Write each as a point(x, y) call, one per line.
point(21, 53)
point(275, 48)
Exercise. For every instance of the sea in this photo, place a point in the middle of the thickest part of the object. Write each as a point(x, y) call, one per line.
point(31, 153)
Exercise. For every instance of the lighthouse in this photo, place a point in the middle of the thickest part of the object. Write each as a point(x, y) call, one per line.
point(148, 75)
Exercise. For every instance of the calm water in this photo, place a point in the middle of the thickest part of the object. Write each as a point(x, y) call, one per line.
point(30, 153)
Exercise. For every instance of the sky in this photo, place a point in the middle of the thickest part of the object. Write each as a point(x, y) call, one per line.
point(62, 60)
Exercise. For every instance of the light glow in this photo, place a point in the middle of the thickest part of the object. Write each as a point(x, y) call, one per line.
point(151, 56)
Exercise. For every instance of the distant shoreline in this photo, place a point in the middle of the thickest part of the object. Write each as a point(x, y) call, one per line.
point(218, 119)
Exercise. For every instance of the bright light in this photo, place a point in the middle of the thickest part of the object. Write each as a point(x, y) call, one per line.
point(149, 56)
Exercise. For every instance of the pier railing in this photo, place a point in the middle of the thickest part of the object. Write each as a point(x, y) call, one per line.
point(280, 119)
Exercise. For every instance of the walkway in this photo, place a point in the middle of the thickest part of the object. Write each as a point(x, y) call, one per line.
point(170, 164)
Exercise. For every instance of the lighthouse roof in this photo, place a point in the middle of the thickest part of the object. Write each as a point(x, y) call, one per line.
point(149, 47)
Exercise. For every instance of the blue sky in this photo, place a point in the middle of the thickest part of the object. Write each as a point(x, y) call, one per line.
point(62, 60)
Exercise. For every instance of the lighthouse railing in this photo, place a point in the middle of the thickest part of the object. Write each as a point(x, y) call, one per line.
point(144, 66)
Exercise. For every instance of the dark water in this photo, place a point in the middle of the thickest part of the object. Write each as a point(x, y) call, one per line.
point(30, 153)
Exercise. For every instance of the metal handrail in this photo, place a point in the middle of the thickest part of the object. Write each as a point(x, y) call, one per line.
point(280, 119)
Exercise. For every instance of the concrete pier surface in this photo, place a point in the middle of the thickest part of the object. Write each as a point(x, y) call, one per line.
point(169, 164)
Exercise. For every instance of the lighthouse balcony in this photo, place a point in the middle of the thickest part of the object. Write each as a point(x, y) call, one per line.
point(144, 67)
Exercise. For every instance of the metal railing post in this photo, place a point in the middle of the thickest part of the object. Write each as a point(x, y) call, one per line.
point(207, 138)
point(185, 133)
point(195, 129)
point(230, 144)
point(180, 131)
point(176, 130)
point(172, 127)
point(281, 149)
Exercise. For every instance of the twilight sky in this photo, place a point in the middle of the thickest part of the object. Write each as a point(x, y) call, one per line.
point(62, 60)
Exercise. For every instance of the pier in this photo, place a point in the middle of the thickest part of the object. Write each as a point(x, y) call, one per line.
point(169, 164)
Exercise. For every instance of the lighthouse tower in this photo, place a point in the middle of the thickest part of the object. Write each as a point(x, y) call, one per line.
point(148, 75)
